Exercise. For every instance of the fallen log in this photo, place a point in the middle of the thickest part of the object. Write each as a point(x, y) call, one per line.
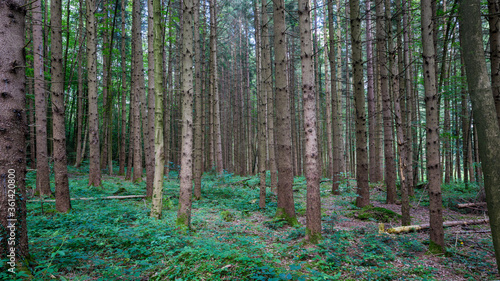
point(410, 228)
point(93, 198)
point(468, 205)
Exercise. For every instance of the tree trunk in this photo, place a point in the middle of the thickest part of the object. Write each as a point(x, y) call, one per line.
point(494, 22)
point(336, 108)
point(123, 140)
point(390, 169)
point(13, 129)
point(313, 174)
point(198, 137)
point(149, 137)
point(159, 157)
point(215, 87)
point(60, 159)
point(375, 176)
point(432, 129)
point(42, 162)
point(79, 118)
point(94, 169)
point(286, 207)
point(138, 90)
point(186, 174)
point(359, 99)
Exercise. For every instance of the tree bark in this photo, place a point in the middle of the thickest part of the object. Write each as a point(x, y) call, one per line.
point(138, 91)
point(313, 174)
point(214, 87)
point(60, 159)
point(42, 162)
point(94, 169)
point(149, 137)
point(159, 157)
point(186, 174)
point(494, 22)
point(432, 129)
point(79, 153)
point(198, 137)
point(13, 130)
point(286, 207)
point(123, 139)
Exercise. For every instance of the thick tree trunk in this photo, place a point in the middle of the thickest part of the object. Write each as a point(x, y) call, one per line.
point(13, 129)
point(494, 21)
point(186, 174)
point(57, 89)
point(313, 173)
point(432, 129)
point(94, 169)
point(286, 207)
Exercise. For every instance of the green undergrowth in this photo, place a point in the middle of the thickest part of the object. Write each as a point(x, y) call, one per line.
point(230, 238)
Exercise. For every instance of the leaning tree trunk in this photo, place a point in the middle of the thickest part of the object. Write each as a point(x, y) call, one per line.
point(483, 106)
point(432, 129)
point(63, 203)
point(186, 174)
point(313, 173)
point(286, 207)
point(94, 169)
point(13, 131)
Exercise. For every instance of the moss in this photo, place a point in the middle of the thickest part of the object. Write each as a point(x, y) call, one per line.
point(435, 249)
point(313, 238)
point(121, 190)
point(182, 222)
point(282, 215)
point(377, 213)
point(227, 216)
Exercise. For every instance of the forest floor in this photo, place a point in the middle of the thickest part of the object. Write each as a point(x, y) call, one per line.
point(232, 239)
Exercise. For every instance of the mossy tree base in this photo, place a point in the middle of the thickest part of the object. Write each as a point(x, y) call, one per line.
point(282, 215)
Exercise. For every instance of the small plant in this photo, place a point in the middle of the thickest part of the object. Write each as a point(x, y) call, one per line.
point(227, 216)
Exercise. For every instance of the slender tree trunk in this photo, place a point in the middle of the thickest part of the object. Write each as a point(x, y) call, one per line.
point(149, 137)
point(432, 129)
point(123, 140)
point(390, 169)
point(483, 106)
point(286, 207)
point(215, 87)
point(42, 162)
point(138, 91)
point(267, 80)
point(13, 131)
point(359, 99)
point(409, 112)
point(159, 157)
point(94, 169)
point(375, 176)
point(186, 174)
point(261, 96)
point(198, 153)
point(79, 120)
point(336, 108)
point(63, 203)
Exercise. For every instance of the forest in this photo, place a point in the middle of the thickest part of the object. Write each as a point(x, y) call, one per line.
point(249, 140)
